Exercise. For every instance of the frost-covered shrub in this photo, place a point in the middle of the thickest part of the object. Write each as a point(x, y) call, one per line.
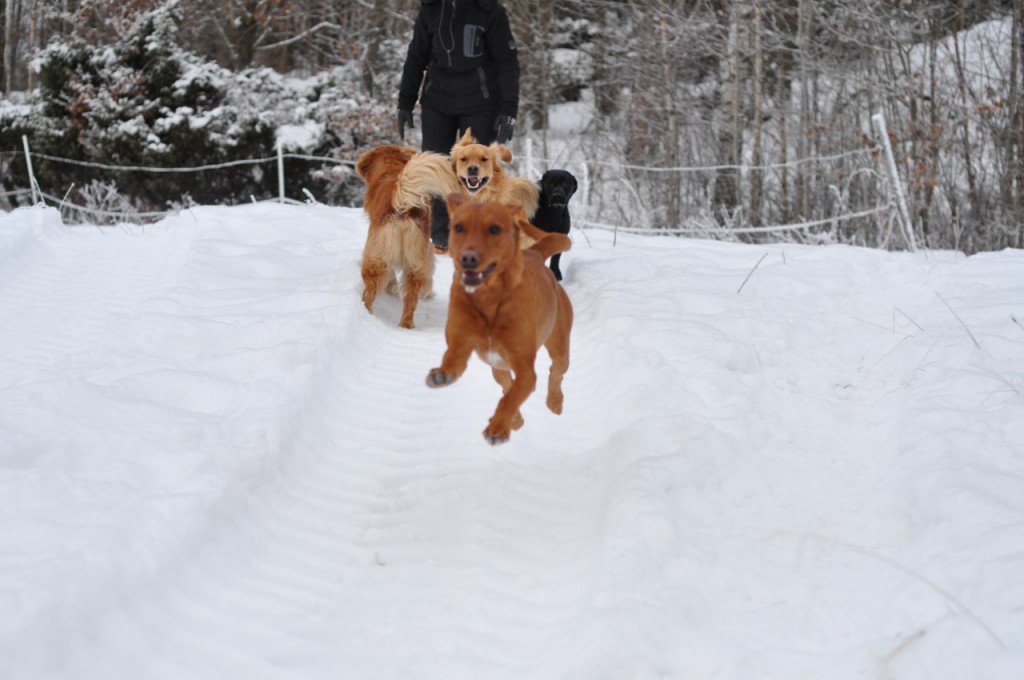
point(147, 103)
point(337, 125)
point(144, 103)
point(105, 203)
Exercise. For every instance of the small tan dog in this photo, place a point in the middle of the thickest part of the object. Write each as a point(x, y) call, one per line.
point(482, 178)
point(399, 185)
point(504, 305)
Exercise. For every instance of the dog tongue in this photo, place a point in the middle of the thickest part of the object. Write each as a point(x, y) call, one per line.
point(472, 278)
point(473, 182)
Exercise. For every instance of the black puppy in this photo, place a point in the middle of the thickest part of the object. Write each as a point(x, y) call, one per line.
point(556, 188)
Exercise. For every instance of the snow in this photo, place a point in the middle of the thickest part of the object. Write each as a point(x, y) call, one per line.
point(775, 461)
point(302, 137)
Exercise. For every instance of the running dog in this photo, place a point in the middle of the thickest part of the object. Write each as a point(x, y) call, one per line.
point(400, 183)
point(556, 188)
point(482, 178)
point(504, 305)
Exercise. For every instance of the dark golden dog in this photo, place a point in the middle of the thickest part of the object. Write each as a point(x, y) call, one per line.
point(399, 185)
point(504, 305)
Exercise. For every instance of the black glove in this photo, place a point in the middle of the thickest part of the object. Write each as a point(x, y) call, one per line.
point(505, 126)
point(404, 117)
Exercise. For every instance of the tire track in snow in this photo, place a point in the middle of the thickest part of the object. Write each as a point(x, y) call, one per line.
point(377, 521)
point(288, 531)
point(351, 528)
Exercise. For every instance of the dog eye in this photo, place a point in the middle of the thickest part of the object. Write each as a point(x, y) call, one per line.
point(458, 228)
point(494, 229)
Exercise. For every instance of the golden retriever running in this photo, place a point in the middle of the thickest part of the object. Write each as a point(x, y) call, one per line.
point(483, 179)
point(504, 305)
point(399, 185)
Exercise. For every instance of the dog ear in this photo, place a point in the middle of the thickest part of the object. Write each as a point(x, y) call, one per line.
point(504, 153)
point(365, 162)
point(453, 201)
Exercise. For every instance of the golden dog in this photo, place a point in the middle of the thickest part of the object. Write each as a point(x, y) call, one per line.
point(504, 305)
point(399, 185)
point(482, 178)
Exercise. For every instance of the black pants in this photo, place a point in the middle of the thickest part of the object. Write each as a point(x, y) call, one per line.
point(440, 132)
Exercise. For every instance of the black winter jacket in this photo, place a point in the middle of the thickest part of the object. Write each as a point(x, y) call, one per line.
point(469, 54)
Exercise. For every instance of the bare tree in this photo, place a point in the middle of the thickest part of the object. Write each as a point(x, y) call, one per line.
point(1012, 185)
point(12, 34)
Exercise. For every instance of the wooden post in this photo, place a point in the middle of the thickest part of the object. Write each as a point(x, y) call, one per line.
point(280, 171)
point(31, 173)
point(894, 177)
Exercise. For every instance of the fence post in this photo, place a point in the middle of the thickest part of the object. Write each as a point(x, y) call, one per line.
point(31, 173)
point(528, 169)
point(585, 188)
point(894, 177)
point(280, 170)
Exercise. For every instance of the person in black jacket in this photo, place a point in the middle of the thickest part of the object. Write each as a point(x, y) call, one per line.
point(467, 51)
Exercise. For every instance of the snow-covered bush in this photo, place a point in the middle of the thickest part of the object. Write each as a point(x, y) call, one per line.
point(147, 103)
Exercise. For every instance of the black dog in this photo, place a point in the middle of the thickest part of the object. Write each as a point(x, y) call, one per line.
point(556, 188)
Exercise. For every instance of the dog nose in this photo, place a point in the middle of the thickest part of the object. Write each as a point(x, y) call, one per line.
point(473, 170)
point(470, 259)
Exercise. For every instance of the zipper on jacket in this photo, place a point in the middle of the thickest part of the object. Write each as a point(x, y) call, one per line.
point(483, 82)
point(451, 30)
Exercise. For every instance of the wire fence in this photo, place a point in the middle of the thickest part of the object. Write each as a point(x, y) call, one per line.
point(888, 210)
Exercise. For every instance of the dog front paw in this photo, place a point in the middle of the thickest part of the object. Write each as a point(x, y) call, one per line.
point(438, 378)
point(495, 439)
point(497, 434)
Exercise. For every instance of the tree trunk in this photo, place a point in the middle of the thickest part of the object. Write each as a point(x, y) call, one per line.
point(10, 44)
point(35, 40)
point(730, 135)
point(757, 174)
point(1015, 151)
point(673, 211)
point(803, 191)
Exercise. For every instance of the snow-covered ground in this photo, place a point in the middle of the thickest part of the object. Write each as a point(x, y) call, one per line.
point(215, 464)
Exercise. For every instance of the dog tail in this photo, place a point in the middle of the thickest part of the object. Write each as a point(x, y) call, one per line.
point(525, 193)
point(426, 175)
point(549, 244)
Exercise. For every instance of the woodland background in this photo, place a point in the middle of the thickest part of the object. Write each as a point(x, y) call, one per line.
point(724, 117)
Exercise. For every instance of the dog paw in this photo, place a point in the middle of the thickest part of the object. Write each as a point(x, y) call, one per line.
point(495, 439)
point(497, 432)
point(438, 378)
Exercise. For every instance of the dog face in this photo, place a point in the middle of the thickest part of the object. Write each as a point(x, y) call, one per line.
point(477, 166)
point(556, 188)
point(483, 240)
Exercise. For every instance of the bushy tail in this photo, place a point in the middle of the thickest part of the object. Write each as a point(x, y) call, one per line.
point(549, 244)
point(426, 175)
point(525, 193)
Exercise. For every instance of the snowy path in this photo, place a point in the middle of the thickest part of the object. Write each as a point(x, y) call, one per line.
point(215, 464)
